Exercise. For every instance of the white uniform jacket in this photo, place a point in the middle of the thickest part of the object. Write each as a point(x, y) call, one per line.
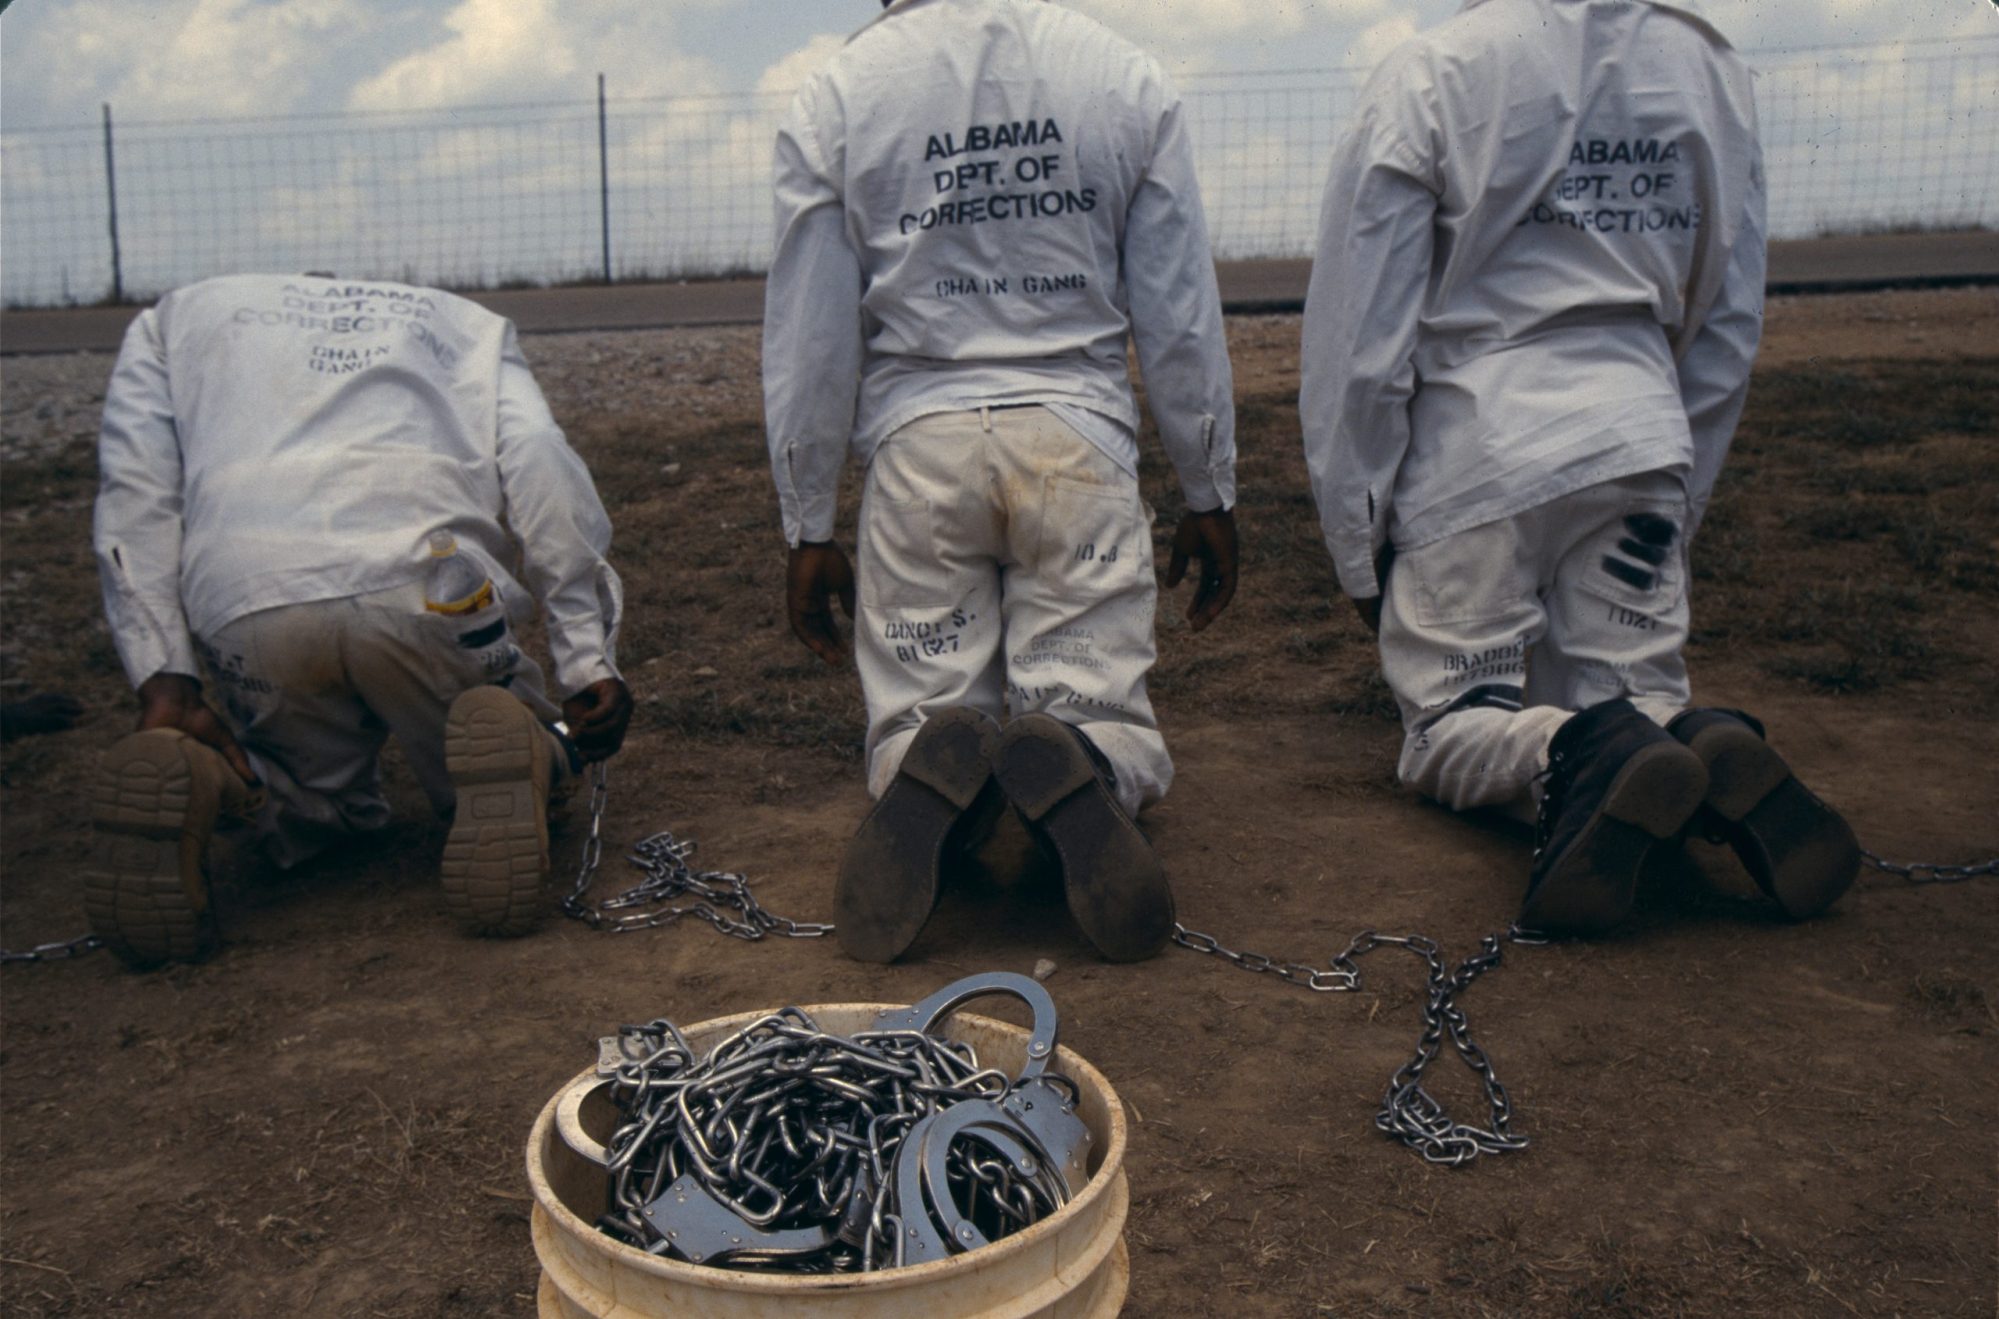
point(278, 439)
point(976, 202)
point(1540, 267)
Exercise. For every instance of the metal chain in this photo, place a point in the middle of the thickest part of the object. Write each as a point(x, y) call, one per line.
point(1929, 872)
point(664, 859)
point(59, 951)
point(1408, 1112)
point(787, 1147)
point(722, 898)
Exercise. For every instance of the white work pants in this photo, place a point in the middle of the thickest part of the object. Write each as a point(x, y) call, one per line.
point(1005, 559)
point(1492, 637)
point(313, 690)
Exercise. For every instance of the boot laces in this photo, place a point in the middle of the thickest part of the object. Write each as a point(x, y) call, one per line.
point(1554, 782)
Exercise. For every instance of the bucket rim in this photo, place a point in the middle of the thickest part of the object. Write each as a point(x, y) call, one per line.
point(1066, 1060)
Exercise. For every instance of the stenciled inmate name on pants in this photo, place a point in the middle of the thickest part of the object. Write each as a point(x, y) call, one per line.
point(1468, 666)
point(915, 640)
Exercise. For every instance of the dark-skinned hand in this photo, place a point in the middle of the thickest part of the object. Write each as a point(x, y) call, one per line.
point(173, 700)
point(1369, 608)
point(597, 718)
point(816, 574)
point(1209, 537)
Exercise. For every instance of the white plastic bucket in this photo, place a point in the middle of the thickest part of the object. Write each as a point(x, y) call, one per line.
point(1071, 1265)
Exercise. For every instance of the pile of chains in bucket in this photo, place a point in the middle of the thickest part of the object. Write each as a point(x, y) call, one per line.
point(787, 1147)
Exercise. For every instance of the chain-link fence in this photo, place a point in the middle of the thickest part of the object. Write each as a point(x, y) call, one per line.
point(1856, 139)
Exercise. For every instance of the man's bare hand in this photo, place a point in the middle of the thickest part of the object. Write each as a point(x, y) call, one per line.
point(1369, 608)
point(173, 700)
point(1209, 537)
point(597, 718)
point(817, 573)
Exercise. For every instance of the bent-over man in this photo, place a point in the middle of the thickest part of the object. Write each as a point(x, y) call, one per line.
point(290, 467)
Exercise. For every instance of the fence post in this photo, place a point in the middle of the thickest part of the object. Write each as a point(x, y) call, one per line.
point(603, 178)
point(111, 192)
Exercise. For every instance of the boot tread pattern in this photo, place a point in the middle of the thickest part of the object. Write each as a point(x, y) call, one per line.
point(497, 852)
point(143, 891)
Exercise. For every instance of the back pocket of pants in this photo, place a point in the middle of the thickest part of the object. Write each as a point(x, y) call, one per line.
point(1638, 563)
point(899, 565)
point(1094, 540)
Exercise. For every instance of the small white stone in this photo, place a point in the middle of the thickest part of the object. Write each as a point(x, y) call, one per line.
point(1043, 969)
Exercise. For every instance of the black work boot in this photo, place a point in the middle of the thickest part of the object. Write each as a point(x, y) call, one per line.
point(1617, 784)
point(1063, 788)
point(889, 878)
point(1796, 848)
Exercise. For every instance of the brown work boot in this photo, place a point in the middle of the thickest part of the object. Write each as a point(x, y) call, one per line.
point(933, 808)
point(155, 803)
point(1798, 849)
point(1063, 788)
point(501, 760)
point(1617, 787)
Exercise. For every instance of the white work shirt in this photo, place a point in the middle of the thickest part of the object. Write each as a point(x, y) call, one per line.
point(277, 439)
point(976, 202)
point(1540, 267)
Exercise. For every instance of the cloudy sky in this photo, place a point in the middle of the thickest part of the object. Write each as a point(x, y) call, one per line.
point(178, 59)
point(465, 148)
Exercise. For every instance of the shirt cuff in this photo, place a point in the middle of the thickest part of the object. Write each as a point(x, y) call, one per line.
point(579, 672)
point(1207, 490)
point(812, 519)
point(145, 656)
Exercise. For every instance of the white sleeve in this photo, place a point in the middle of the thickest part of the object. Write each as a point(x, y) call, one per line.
point(1357, 359)
point(137, 531)
point(1176, 319)
point(1714, 370)
point(553, 509)
point(812, 345)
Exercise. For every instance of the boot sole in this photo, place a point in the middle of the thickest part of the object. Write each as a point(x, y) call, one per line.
point(497, 851)
point(1798, 850)
point(1590, 888)
point(891, 873)
point(1116, 887)
point(144, 892)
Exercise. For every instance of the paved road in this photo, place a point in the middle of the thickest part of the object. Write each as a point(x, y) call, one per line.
point(1807, 266)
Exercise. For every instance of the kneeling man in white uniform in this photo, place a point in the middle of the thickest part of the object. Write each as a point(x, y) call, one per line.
point(979, 203)
point(1527, 341)
point(304, 481)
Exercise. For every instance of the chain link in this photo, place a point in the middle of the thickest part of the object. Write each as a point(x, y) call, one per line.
point(721, 898)
point(1408, 1112)
point(1930, 872)
point(60, 951)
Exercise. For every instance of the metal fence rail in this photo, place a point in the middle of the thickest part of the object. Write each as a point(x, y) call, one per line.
point(1856, 139)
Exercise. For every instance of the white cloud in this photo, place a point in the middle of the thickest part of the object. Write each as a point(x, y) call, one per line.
point(1178, 23)
point(191, 58)
point(492, 45)
point(791, 72)
point(499, 51)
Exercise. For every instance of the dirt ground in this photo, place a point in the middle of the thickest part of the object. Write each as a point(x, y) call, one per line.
point(1728, 1114)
